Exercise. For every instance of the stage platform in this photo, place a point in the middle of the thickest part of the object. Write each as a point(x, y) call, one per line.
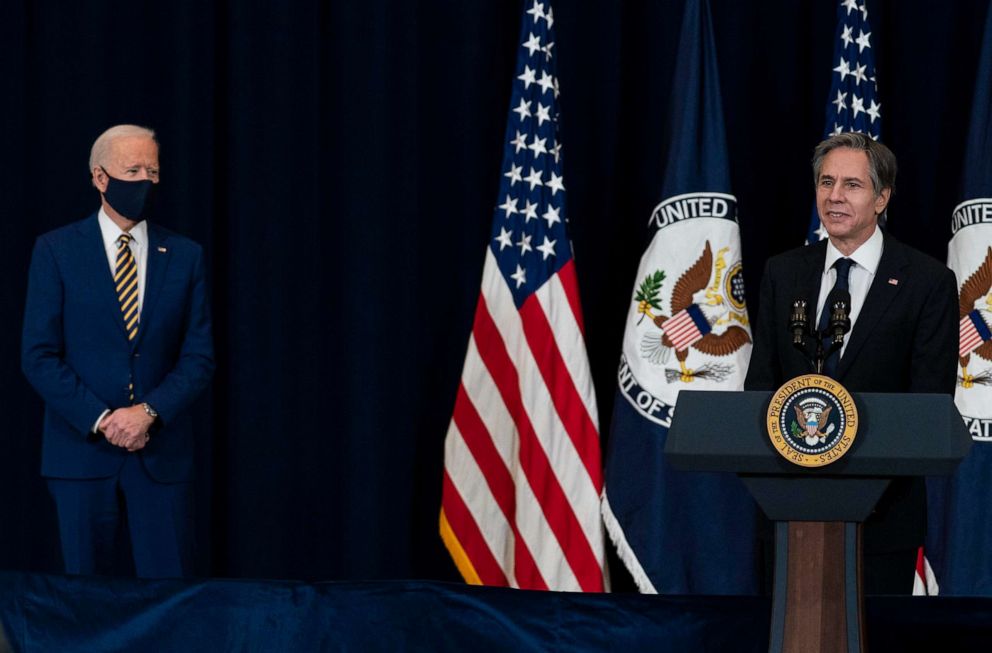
point(59, 613)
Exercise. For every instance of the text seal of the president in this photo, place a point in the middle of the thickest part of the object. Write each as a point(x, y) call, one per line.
point(812, 420)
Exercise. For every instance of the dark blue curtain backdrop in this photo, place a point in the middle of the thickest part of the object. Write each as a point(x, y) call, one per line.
point(339, 161)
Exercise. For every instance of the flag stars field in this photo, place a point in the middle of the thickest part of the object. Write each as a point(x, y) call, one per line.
point(519, 142)
point(505, 238)
point(537, 146)
point(523, 109)
point(547, 248)
point(515, 174)
point(846, 35)
point(527, 77)
point(510, 206)
point(863, 41)
point(840, 102)
point(551, 215)
point(533, 44)
point(530, 211)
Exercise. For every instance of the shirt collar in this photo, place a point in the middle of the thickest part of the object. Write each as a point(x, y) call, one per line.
point(867, 255)
point(111, 232)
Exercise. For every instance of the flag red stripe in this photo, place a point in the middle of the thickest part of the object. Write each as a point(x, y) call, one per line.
point(681, 329)
point(469, 535)
point(970, 338)
point(564, 395)
point(500, 482)
point(533, 459)
point(566, 275)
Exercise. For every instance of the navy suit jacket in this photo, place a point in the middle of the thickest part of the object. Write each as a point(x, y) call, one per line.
point(77, 356)
point(905, 340)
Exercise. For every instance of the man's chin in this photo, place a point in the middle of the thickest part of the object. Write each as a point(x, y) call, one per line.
point(836, 227)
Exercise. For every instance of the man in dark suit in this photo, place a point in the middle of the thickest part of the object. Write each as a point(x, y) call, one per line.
point(117, 342)
point(904, 332)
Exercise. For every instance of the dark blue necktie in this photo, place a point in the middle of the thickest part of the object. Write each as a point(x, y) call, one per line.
point(843, 267)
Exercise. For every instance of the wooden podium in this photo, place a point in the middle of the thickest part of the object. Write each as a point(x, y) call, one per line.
point(817, 601)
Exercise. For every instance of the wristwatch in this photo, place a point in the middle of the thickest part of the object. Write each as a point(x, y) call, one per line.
point(151, 411)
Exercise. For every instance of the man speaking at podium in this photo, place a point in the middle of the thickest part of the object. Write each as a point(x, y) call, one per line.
point(117, 342)
point(904, 317)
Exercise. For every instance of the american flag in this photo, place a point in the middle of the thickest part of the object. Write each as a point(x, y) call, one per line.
point(523, 476)
point(853, 101)
point(974, 331)
point(686, 327)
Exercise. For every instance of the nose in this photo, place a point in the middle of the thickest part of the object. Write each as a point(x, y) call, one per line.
point(836, 193)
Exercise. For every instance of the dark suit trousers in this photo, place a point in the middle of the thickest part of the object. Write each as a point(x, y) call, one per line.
point(94, 514)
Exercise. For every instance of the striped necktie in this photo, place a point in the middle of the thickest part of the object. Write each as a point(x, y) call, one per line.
point(126, 280)
point(843, 267)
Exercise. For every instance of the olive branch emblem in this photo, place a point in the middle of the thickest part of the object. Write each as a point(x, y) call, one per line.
point(647, 294)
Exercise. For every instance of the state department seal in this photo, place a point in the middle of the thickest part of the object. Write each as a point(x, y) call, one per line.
point(812, 420)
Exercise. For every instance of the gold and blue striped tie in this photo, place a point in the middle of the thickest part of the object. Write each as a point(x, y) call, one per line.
point(126, 280)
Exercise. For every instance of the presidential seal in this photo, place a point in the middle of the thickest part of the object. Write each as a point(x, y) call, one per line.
point(812, 420)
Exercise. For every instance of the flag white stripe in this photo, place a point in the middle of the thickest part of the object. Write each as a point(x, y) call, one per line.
point(531, 523)
point(482, 391)
point(681, 330)
point(565, 461)
point(471, 485)
point(970, 337)
point(570, 341)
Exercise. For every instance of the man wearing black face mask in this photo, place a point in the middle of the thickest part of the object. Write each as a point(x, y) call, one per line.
point(117, 342)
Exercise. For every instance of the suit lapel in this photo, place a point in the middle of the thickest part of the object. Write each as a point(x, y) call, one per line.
point(880, 296)
point(811, 277)
point(158, 262)
point(97, 267)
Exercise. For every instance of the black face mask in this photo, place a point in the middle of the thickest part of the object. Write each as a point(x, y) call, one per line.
point(132, 199)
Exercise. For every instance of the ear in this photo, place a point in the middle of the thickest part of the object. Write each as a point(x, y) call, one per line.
point(100, 181)
point(882, 200)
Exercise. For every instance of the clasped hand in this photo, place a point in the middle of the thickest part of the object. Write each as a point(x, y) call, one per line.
point(127, 427)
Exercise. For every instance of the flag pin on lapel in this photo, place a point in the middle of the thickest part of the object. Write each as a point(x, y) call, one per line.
point(893, 282)
point(162, 249)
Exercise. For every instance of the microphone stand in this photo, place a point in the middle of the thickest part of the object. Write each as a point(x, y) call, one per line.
point(802, 331)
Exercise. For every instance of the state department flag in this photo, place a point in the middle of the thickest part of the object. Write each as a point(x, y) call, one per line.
point(522, 465)
point(959, 543)
point(852, 104)
point(687, 328)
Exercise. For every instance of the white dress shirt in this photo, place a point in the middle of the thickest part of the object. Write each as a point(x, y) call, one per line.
point(866, 258)
point(139, 250)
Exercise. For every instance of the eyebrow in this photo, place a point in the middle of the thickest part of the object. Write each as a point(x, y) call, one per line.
point(826, 176)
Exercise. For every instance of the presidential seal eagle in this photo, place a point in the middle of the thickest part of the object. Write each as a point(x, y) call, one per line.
point(812, 423)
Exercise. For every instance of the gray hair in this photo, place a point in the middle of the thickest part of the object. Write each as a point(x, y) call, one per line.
point(100, 151)
point(881, 160)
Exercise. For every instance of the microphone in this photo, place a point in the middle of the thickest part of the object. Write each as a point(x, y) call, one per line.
point(840, 319)
point(798, 322)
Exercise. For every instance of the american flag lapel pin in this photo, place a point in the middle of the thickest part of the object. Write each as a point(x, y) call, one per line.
point(163, 250)
point(893, 281)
